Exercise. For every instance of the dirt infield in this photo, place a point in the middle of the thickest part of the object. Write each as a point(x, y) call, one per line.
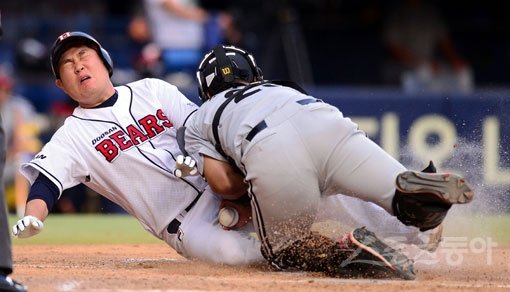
point(472, 266)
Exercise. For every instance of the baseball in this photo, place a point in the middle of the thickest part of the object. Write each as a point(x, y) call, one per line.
point(228, 217)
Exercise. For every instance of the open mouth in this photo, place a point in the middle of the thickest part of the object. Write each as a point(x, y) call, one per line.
point(84, 78)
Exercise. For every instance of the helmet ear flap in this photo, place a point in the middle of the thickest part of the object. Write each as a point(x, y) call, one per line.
point(107, 60)
point(202, 83)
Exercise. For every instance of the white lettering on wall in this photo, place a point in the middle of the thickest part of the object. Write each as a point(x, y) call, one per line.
point(493, 174)
point(426, 126)
point(388, 130)
point(390, 136)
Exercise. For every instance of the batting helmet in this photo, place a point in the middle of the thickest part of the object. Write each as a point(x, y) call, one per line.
point(223, 67)
point(76, 38)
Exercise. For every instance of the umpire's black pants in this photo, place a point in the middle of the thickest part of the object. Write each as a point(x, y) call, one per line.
point(5, 237)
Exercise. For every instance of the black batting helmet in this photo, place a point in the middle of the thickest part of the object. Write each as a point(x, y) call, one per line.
point(76, 38)
point(223, 67)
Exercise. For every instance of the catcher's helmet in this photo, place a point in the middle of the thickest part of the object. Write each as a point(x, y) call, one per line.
point(76, 38)
point(222, 68)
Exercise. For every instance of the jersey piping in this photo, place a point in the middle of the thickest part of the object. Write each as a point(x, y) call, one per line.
point(197, 189)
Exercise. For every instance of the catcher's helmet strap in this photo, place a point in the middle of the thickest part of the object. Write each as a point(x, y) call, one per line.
point(223, 63)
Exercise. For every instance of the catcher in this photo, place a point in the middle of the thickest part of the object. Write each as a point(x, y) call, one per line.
point(292, 149)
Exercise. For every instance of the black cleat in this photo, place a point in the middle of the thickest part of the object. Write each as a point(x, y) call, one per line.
point(448, 188)
point(370, 253)
point(9, 285)
point(431, 168)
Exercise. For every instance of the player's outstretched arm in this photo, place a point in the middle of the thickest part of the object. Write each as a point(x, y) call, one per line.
point(32, 223)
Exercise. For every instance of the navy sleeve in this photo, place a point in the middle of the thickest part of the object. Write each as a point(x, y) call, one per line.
point(45, 190)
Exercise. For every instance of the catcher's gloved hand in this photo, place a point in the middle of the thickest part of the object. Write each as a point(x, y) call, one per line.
point(27, 226)
point(185, 166)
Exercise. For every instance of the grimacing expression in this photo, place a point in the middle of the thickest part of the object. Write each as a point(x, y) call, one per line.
point(83, 76)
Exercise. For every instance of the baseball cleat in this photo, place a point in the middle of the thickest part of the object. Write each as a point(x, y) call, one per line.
point(447, 187)
point(372, 253)
point(7, 284)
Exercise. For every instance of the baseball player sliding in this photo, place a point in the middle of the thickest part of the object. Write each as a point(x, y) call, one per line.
point(293, 149)
point(121, 142)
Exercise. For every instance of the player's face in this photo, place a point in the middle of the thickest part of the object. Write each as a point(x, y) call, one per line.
point(84, 77)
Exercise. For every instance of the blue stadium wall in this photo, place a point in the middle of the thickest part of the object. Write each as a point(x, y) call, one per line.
point(466, 133)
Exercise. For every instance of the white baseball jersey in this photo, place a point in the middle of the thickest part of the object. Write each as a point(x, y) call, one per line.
point(126, 152)
point(293, 150)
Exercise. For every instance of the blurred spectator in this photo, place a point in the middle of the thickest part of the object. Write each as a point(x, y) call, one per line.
point(22, 126)
point(182, 31)
point(424, 57)
point(177, 28)
point(272, 30)
point(31, 55)
point(145, 55)
point(221, 26)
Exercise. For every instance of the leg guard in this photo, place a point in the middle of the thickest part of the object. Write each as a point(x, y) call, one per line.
point(423, 199)
point(359, 253)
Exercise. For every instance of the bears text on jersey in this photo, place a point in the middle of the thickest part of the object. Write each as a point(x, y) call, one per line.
point(122, 140)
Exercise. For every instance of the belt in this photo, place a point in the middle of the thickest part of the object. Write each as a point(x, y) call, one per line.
point(262, 125)
point(173, 227)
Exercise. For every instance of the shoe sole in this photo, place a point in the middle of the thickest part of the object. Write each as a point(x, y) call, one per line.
point(382, 256)
point(449, 188)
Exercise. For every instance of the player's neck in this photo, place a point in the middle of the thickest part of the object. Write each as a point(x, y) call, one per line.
point(110, 101)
